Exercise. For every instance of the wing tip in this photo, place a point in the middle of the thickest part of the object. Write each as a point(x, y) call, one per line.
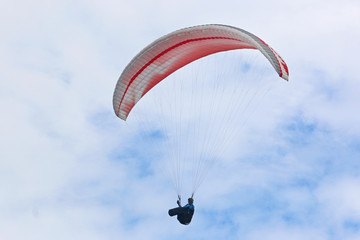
point(285, 77)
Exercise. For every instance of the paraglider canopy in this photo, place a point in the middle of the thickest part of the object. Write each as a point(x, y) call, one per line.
point(175, 50)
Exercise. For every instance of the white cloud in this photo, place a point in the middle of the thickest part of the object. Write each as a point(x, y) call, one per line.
point(340, 199)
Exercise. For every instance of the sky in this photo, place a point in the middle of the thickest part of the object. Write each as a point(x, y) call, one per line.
point(70, 169)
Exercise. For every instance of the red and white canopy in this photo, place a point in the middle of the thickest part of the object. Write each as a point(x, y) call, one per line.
point(173, 51)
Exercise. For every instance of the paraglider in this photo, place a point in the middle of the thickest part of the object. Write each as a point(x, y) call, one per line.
point(167, 55)
point(184, 214)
